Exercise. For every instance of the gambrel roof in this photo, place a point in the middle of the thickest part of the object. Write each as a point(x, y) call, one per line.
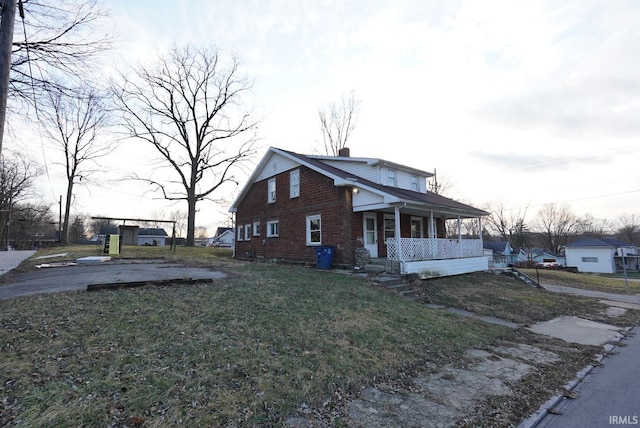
point(393, 196)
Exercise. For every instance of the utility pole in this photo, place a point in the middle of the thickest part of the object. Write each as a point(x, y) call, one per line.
point(7, 21)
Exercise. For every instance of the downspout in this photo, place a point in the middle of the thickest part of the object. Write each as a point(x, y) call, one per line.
point(234, 216)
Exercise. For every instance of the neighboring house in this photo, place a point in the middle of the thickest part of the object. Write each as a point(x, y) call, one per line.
point(225, 237)
point(548, 259)
point(501, 253)
point(601, 255)
point(294, 203)
point(152, 236)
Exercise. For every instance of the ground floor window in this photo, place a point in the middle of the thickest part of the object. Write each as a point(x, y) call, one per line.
point(256, 228)
point(389, 227)
point(273, 228)
point(314, 230)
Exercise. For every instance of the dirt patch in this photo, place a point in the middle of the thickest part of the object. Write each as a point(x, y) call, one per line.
point(441, 398)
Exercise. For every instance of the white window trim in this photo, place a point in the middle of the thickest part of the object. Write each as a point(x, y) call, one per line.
point(271, 190)
point(256, 228)
point(240, 233)
point(294, 191)
point(311, 218)
point(247, 232)
point(269, 224)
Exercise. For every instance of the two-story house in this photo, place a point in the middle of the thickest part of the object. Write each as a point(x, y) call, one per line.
point(293, 203)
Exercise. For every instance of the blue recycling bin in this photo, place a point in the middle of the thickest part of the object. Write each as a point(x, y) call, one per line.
point(324, 256)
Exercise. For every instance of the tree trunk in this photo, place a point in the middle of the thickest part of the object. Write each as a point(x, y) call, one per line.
point(64, 238)
point(191, 218)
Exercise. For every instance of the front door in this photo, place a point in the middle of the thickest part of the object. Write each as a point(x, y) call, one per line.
point(370, 226)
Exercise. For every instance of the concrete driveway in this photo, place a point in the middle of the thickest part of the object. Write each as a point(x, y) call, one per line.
point(79, 276)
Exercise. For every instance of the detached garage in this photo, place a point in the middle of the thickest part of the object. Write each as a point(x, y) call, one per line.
point(601, 255)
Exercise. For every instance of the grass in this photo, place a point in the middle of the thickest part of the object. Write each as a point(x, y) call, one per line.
point(267, 343)
point(250, 350)
point(591, 281)
point(513, 300)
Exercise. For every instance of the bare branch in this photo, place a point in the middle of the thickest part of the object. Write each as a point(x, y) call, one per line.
point(337, 122)
point(188, 108)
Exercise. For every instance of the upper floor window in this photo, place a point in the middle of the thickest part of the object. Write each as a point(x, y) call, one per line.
point(271, 189)
point(414, 183)
point(295, 183)
point(391, 177)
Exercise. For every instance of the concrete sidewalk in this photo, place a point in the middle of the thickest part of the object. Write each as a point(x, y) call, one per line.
point(626, 298)
point(10, 260)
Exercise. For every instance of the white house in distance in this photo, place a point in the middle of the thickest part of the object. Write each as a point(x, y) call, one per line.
point(225, 237)
point(152, 236)
point(601, 255)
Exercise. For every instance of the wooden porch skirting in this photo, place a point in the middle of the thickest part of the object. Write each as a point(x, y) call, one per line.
point(446, 267)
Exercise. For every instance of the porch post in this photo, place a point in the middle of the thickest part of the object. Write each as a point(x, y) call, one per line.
point(433, 235)
point(397, 232)
point(480, 233)
point(432, 230)
point(460, 235)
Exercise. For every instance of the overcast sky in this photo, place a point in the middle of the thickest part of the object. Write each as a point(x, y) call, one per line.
point(525, 102)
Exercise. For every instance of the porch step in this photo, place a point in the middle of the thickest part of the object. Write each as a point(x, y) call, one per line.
point(515, 273)
point(374, 268)
point(380, 265)
point(399, 286)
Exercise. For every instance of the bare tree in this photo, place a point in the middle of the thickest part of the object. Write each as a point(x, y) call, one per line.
point(180, 219)
point(594, 227)
point(555, 226)
point(628, 228)
point(189, 109)
point(201, 232)
point(442, 184)
point(16, 180)
point(74, 125)
point(31, 225)
point(61, 45)
point(510, 225)
point(337, 122)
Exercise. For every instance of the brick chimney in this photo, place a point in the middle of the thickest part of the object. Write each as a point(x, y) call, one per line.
point(344, 152)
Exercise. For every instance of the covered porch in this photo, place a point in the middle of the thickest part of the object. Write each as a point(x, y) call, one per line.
point(426, 240)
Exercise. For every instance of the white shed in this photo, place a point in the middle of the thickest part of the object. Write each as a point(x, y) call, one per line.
point(597, 255)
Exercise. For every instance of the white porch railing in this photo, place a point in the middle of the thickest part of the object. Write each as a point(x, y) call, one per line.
point(415, 249)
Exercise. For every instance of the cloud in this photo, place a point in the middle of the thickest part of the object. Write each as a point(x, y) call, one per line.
point(541, 162)
point(591, 106)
